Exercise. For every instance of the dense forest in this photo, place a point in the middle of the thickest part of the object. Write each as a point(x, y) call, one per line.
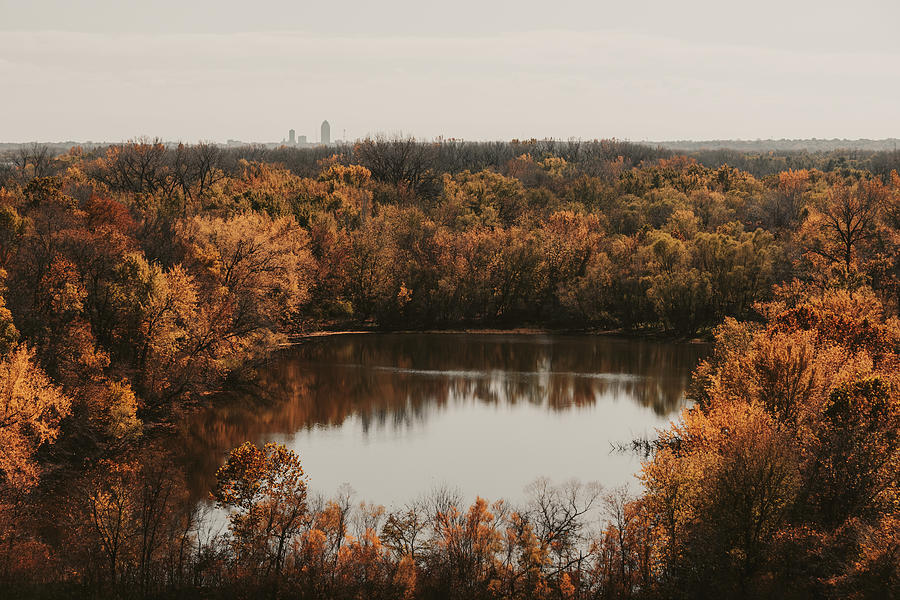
point(140, 279)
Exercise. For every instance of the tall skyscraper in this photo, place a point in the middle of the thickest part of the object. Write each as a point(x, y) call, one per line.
point(291, 137)
point(326, 133)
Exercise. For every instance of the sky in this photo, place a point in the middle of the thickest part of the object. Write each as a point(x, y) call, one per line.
point(214, 70)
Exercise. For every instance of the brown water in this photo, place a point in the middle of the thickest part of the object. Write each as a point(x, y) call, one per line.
point(396, 415)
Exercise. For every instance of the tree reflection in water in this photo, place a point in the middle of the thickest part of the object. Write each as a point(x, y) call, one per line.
point(398, 380)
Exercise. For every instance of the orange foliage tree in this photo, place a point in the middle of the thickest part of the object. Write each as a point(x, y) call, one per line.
point(266, 490)
point(789, 458)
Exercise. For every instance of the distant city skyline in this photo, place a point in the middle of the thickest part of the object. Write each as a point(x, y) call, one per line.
point(301, 140)
point(699, 69)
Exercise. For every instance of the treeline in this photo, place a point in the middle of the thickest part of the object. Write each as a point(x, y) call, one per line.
point(139, 279)
point(781, 145)
point(760, 159)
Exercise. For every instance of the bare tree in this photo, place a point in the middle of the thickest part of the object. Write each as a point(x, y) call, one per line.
point(401, 162)
point(559, 517)
point(845, 222)
point(37, 157)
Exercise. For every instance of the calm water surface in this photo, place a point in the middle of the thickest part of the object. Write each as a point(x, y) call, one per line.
point(395, 415)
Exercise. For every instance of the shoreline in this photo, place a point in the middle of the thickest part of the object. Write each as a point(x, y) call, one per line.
point(298, 338)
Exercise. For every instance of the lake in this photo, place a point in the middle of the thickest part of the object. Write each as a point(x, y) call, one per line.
point(396, 415)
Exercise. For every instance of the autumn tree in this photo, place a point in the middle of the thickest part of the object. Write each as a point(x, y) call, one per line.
point(130, 525)
point(31, 408)
point(265, 490)
point(464, 557)
point(842, 228)
point(251, 274)
point(484, 198)
point(261, 265)
point(791, 448)
point(786, 200)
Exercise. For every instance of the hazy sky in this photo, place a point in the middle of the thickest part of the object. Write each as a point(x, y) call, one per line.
point(476, 69)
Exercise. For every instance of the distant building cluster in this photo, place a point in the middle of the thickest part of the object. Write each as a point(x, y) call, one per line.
point(301, 141)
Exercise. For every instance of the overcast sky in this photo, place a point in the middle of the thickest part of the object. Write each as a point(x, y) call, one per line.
point(475, 69)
